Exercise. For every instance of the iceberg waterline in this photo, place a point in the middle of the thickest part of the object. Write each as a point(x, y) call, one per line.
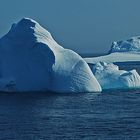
point(108, 75)
point(31, 60)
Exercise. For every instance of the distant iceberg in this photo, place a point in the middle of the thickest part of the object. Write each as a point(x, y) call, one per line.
point(115, 57)
point(130, 45)
point(110, 77)
point(31, 60)
point(121, 51)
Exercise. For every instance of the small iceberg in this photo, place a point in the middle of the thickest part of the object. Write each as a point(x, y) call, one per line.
point(110, 77)
point(131, 45)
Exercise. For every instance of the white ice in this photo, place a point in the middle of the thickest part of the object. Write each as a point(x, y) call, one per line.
point(121, 51)
point(129, 45)
point(110, 77)
point(115, 57)
point(31, 60)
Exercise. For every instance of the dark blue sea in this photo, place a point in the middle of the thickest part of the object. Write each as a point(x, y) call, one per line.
point(110, 115)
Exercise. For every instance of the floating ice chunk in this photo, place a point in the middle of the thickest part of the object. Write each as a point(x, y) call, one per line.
point(110, 77)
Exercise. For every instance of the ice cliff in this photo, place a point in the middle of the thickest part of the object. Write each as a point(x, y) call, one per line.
point(31, 60)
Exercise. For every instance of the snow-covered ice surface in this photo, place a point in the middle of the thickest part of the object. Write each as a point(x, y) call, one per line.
point(121, 51)
point(110, 77)
point(115, 57)
point(31, 60)
point(130, 45)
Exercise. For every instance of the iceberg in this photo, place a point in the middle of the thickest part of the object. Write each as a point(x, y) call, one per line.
point(121, 51)
point(31, 60)
point(110, 77)
point(130, 45)
point(115, 57)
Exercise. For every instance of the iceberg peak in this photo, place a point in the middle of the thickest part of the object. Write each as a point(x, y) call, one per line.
point(27, 22)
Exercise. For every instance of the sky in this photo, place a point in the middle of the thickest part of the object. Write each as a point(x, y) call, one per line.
point(85, 26)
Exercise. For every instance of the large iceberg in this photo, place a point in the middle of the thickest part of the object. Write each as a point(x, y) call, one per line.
point(31, 60)
point(121, 51)
point(110, 77)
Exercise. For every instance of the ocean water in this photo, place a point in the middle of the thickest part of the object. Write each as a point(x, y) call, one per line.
point(110, 115)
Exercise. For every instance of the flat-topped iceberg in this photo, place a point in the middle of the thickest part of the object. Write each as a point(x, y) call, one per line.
point(121, 51)
point(31, 60)
point(115, 57)
point(110, 77)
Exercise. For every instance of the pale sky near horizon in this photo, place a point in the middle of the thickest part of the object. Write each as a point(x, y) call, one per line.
point(86, 26)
